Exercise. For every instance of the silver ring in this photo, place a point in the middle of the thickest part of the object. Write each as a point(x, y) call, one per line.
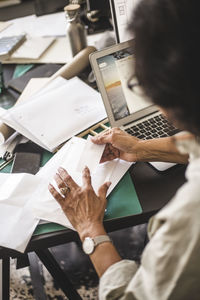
point(64, 190)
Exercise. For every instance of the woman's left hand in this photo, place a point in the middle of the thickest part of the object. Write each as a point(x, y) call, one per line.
point(84, 209)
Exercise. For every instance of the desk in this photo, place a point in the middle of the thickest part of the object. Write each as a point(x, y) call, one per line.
point(154, 190)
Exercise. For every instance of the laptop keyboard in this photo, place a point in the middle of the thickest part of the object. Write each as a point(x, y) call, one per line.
point(154, 127)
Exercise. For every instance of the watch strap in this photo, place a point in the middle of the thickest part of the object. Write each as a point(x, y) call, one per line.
point(101, 239)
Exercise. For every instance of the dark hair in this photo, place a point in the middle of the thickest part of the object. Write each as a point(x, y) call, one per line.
point(167, 50)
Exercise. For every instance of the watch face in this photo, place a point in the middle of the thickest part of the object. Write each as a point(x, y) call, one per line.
point(88, 245)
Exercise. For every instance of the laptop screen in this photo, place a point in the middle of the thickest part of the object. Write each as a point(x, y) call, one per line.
point(116, 69)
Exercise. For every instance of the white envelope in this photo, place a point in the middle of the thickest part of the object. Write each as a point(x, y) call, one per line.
point(45, 207)
point(17, 221)
point(52, 118)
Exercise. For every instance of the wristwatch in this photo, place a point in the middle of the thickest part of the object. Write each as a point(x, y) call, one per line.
point(89, 244)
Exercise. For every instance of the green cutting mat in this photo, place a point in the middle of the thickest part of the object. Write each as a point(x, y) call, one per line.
point(123, 200)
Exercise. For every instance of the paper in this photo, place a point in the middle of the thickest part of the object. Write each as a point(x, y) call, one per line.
point(123, 15)
point(38, 26)
point(4, 25)
point(33, 47)
point(17, 221)
point(90, 156)
point(33, 86)
point(45, 207)
point(58, 114)
point(58, 53)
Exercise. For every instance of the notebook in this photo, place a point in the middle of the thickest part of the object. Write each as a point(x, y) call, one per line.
point(33, 47)
point(128, 110)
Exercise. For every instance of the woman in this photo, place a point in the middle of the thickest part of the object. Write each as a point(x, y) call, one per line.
point(167, 66)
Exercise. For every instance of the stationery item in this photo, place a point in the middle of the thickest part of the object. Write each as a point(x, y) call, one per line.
point(123, 200)
point(74, 105)
point(25, 162)
point(69, 156)
point(8, 44)
point(16, 216)
point(27, 158)
point(73, 68)
point(49, 25)
point(58, 53)
point(33, 47)
point(90, 156)
point(4, 25)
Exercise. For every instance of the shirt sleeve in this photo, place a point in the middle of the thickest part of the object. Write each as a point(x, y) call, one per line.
point(168, 260)
point(116, 278)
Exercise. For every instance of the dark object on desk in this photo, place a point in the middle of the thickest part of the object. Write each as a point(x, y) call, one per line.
point(98, 16)
point(46, 70)
point(43, 7)
point(6, 99)
point(27, 158)
point(155, 189)
point(26, 163)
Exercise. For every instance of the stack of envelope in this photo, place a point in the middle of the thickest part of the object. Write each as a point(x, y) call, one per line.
point(59, 111)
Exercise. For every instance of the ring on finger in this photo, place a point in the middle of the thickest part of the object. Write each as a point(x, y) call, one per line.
point(64, 191)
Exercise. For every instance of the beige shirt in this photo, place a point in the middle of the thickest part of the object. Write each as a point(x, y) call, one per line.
point(170, 265)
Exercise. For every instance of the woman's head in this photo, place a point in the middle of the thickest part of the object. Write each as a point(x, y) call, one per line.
point(167, 50)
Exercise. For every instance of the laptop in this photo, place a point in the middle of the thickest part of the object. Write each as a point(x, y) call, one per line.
point(128, 110)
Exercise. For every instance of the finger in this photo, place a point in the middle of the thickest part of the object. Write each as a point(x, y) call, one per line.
point(103, 190)
point(102, 138)
point(67, 178)
point(55, 194)
point(59, 181)
point(109, 153)
point(106, 158)
point(86, 176)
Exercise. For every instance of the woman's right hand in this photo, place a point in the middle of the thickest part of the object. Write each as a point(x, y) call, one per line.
point(119, 144)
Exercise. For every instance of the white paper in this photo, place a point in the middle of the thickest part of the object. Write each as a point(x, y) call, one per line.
point(45, 207)
point(17, 221)
point(57, 115)
point(90, 156)
point(33, 47)
point(38, 26)
point(4, 25)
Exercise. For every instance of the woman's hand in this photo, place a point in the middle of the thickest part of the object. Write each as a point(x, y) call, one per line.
point(84, 209)
point(119, 144)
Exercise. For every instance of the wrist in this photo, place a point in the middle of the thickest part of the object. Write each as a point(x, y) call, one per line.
point(145, 150)
point(161, 149)
point(155, 149)
point(92, 230)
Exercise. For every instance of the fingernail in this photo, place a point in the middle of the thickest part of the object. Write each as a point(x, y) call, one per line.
point(50, 186)
point(86, 168)
point(109, 184)
point(61, 169)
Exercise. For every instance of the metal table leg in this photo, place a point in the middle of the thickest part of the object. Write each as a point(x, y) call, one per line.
point(36, 277)
point(5, 279)
point(58, 274)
